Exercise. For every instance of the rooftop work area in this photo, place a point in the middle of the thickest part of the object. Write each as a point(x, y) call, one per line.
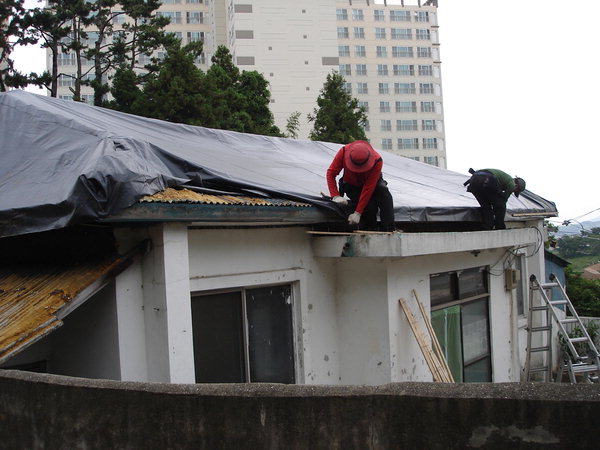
point(66, 163)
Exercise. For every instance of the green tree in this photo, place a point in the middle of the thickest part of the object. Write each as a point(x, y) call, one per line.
point(338, 117)
point(59, 27)
point(175, 93)
point(552, 230)
point(236, 100)
point(586, 244)
point(585, 294)
point(13, 32)
point(292, 125)
point(140, 33)
point(125, 90)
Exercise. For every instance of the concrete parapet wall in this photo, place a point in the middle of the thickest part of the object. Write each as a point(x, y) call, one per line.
point(40, 411)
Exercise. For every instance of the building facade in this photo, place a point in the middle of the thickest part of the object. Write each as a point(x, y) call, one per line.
point(388, 52)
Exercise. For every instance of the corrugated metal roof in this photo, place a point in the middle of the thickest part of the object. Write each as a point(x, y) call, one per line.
point(34, 299)
point(171, 195)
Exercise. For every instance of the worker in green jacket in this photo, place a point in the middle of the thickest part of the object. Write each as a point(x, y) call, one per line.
point(492, 188)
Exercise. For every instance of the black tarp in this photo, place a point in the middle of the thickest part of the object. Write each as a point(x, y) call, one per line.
point(64, 163)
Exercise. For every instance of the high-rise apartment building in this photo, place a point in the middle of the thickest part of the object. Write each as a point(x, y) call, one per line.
point(387, 51)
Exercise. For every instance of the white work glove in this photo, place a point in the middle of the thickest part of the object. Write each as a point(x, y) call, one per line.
point(340, 200)
point(354, 218)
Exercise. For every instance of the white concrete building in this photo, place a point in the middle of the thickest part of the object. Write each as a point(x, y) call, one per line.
point(388, 52)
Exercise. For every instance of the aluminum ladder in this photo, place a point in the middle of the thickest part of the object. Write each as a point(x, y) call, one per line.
point(575, 362)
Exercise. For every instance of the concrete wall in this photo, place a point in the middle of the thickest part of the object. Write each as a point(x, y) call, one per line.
point(43, 411)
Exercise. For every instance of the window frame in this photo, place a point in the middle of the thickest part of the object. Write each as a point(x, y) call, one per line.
point(295, 277)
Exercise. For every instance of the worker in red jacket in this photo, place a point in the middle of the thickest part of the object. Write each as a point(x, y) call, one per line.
point(364, 185)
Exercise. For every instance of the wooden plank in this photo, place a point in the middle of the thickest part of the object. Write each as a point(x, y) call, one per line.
point(430, 358)
point(437, 348)
point(330, 233)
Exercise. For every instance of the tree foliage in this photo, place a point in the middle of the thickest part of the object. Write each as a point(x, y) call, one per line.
point(292, 125)
point(584, 293)
point(13, 32)
point(338, 117)
point(585, 244)
point(224, 97)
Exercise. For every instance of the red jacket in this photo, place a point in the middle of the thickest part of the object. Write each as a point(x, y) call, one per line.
point(367, 180)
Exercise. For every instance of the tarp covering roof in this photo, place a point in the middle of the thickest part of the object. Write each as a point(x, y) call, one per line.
point(64, 162)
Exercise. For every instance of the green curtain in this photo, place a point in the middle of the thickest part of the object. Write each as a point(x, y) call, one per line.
point(446, 324)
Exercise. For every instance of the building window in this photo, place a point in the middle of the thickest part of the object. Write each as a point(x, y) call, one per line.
point(422, 16)
point(399, 16)
point(423, 35)
point(380, 33)
point(357, 14)
point(342, 14)
point(386, 125)
point(345, 69)
point(402, 52)
point(406, 125)
point(425, 70)
point(382, 69)
point(401, 33)
point(428, 125)
point(424, 52)
point(65, 59)
point(348, 87)
point(427, 107)
point(426, 88)
point(195, 36)
point(379, 15)
point(460, 318)
point(386, 144)
point(407, 107)
point(384, 88)
point(244, 336)
point(175, 16)
point(119, 18)
point(359, 33)
point(198, 2)
point(343, 50)
point(194, 17)
point(431, 160)
point(342, 33)
point(361, 88)
point(430, 143)
point(408, 144)
point(381, 51)
point(367, 125)
point(384, 107)
point(404, 70)
point(359, 51)
point(361, 69)
point(404, 88)
point(365, 107)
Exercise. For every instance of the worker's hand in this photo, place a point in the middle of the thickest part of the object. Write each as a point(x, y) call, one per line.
point(340, 200)
point(354, 218)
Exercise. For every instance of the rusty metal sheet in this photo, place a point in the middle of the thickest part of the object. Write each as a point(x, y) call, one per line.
point(171, 195)
point(32, 298)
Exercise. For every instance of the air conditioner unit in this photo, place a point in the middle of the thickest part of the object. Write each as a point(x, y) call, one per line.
point(511, 279)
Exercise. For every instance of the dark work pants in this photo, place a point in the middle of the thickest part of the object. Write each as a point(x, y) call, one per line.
point(380, 200)
point(490, 196)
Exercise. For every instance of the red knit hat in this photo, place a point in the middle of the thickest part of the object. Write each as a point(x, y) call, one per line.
point(359, 156)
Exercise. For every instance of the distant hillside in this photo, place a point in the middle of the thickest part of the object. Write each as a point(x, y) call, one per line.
point(575, 228)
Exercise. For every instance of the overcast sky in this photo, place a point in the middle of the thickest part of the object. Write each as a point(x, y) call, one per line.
point(519, 95)
point(517, 80)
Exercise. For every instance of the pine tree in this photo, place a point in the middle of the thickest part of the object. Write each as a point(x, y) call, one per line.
point(338, 117)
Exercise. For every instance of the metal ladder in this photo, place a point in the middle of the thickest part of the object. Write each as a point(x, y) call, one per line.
point(573, 362)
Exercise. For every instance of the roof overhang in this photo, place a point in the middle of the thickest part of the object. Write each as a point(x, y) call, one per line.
point(399, 245)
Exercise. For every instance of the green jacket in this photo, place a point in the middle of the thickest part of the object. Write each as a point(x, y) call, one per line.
point(506, 181)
